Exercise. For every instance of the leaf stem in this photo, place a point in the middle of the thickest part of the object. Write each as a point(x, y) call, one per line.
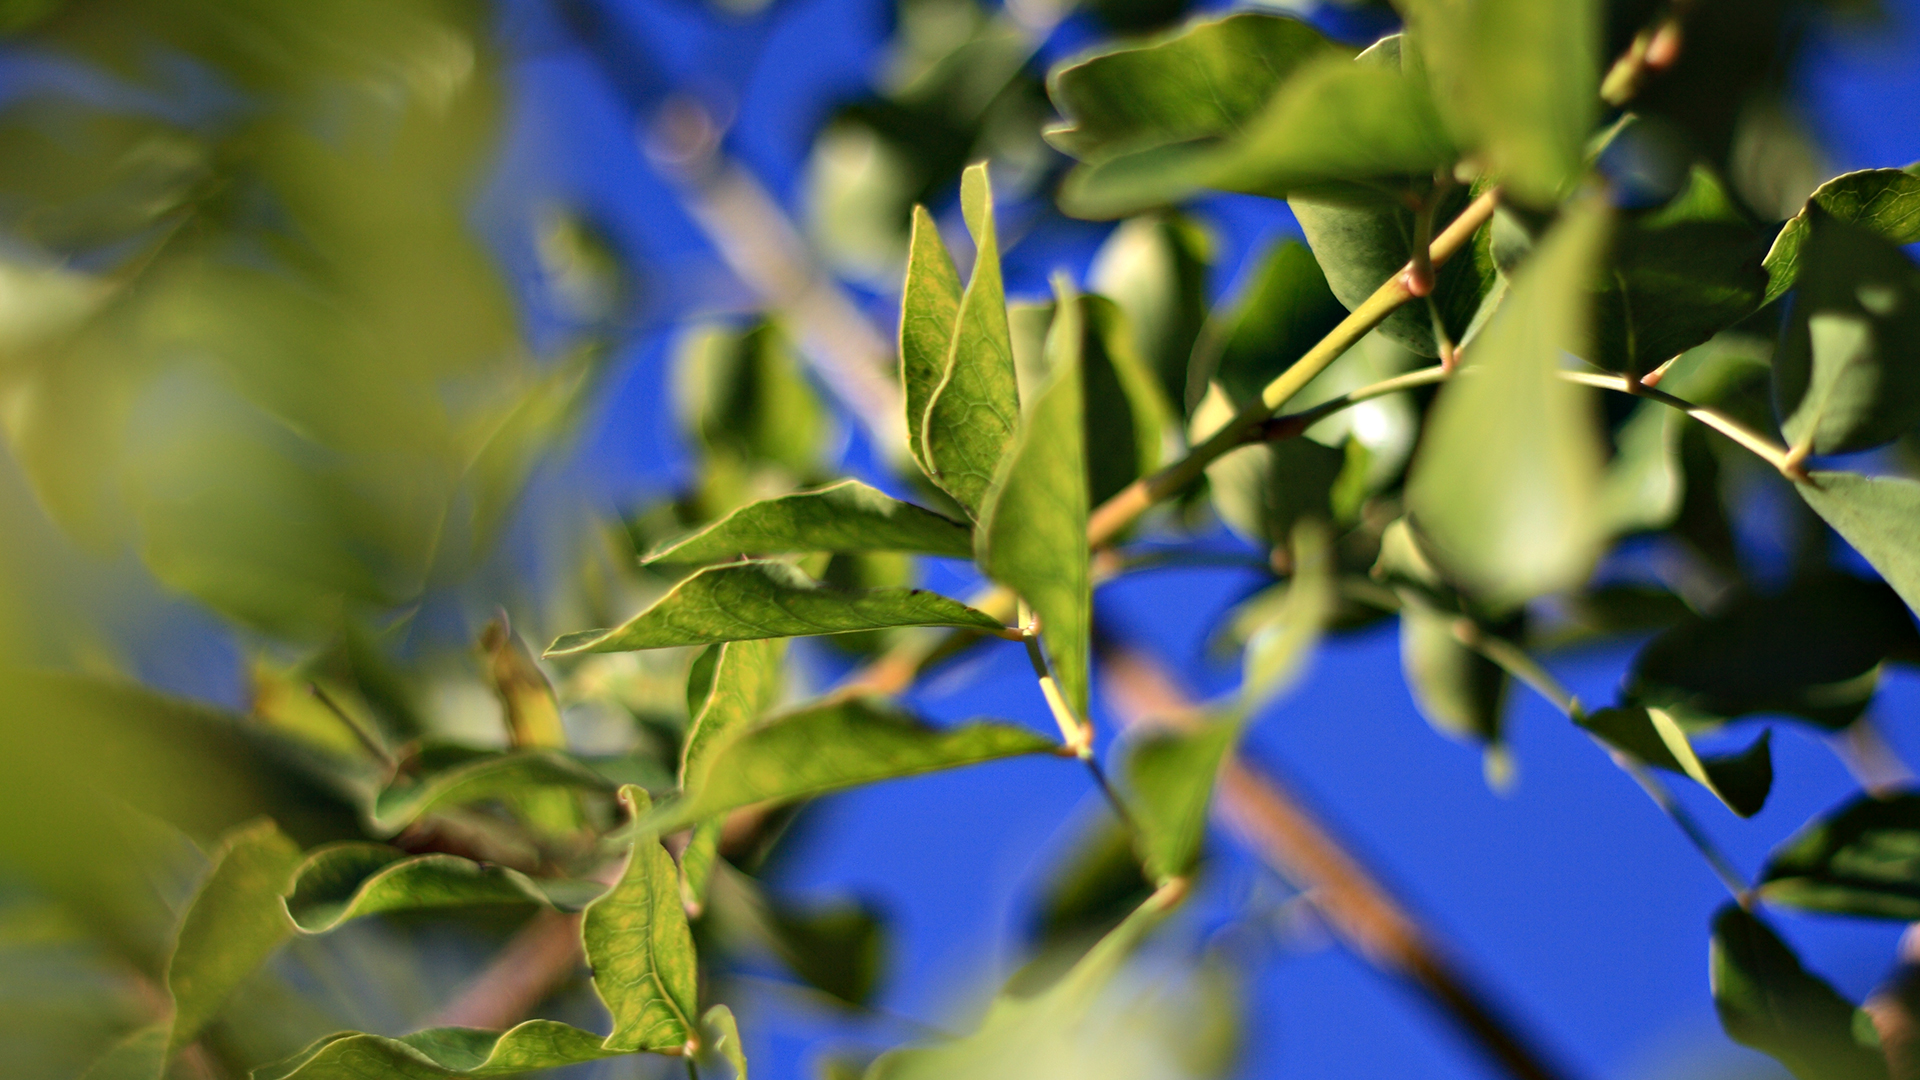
point(1074, 730)
point(1771, 452)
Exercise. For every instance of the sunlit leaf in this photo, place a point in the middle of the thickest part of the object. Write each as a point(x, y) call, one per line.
point(491, 776)
point(1847, 375)
point(1766, 1000)
point(441, 1053)
point(847, 516)
point(973, 411)
point(1033, 520)
point(348, 881)
point(640, 948)
point(929, 312)
point(1506, 482)
point(696, 864)
point(532, 713)
point(1155, 269)
point(1863, 859)
point(1880, 517)
point(234, 923)
point(1169, 781)
point(1281, 637)
point(830, 746)
point(1741, 781)
point(1884, 201)
point(752, 600)
point(746, 682)
point(726, 1039)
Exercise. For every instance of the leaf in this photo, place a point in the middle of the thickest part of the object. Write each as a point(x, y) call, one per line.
point(1283, 312)
point(837, 948)
point(1766, 1000)
point(639, 947)
point(726, 1039)
point(696, 864)
point(1155, 269)
point(346, 881)
point(1460, 693)
point(533, 716)
point(1505, 485)
point(829, 746)
point(141, 1055)
point(1879, 516)
point(1847, 374)
point(974, 410)
point(743, 392)
point(1033, 520)
point(929, 312)
point(752, 600)
point(847, 516)
point(440, 1053)
point(1741, 781)
point(1885, 201)
point(1090, 890)
point(1518, 78)
point(1862, 860)
point(234, 923)
point(747, 681)
point(494, 776)
point(1126, 414)
point(1813, 651)
point(1262, 492)
point(1170, 776)
point(1280, 638)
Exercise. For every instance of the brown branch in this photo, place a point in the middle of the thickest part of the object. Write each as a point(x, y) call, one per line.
point(545, 953)
point(1277, 827)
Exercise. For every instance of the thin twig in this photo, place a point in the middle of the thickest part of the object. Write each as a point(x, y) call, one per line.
point(1780, 457)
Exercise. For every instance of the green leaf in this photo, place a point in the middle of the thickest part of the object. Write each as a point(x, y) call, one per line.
point(845, 517)
point(1091, 890)
point(1169, 777)
point(494, 776)
point(726, 1039)
point(1460, 693)
point(1766, 1000)
point(697, 862)
point(1643, 485)
point(1862, 860)
point(1885, 201)
point(1262, 492)
point(1847, 375)
point(640, 948)
point(974, 409)
point(1126, 414)
point(747, 681)
point(1741, 781)
point(440, 1053)
point(352, 880)
point(751, 600)
point(1283, 312)
point(833, 745)
point(1675, 278)
point(1505, 486)
point(1155, 269)
point(1281, 635)
point(1813, 651)
point(1518, 78)
point(141, 1055)
point(1880, 517)
point(836, 948)
point(746, 397)
point(235, 922)
point(1033, 520)
point(929, 312)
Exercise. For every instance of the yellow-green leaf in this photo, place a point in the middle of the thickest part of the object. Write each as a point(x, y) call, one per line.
point(441, 1054)
point(929, 311)
point(846, 517)
point(235, 922)
point(352, 880)
point(726, 1039)
point(1879, 516)
point(639, 946)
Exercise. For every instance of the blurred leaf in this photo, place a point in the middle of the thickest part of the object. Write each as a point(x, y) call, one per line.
point(974, 409)
point(439, 1053)
point(1460, 693)
point(1863, 859)
point(1155, 269)
point(341, 882)
point(141, 1055)
point(640, 948)
point(533, 715)
point(1741, 781)
point(1127, 415)
point(1282, 636)
point(1506, 482)
point(489, 776)
point(830, 746)
point(751, 600)
point(929, 312)
point(1091, 889)
point(1813, 651)
point(1847, 375)
point(1766, 1000)
point(839, 949)
point(1643, 486)
point(1263, 491)
point(847, 516)
point(747, 681)
point(1284, 311)
point(1519, 78)
point(1880, 517)
point(726, 1039)
point(697, 860)
point(745, 395)
point(1676, 277)
point(1033, 520)
point(235, 922)
point(1169, 777)
point(1882, 201)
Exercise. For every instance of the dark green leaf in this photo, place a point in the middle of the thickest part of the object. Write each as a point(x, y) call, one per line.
point(839, 949)
point(1169, 779)
point(1461, 693)
point(1155, 269)
point(1847, 376)
point(1885, 201)
point(234, 923)
point(1766, 1000)
point(1643, 485)
point(1127, 415)
point(1741, 781)
point(1092, 889)
point(929, 311)
point(831, 746)
point(751, 600)
point(1282, 313)
point(1880, 517)
point(353, 880)
point(1033, 520)
point(1505, 486)
point(1813, 651)
point(845, 517)
point(725, 1035)
point(441, 1053)
point(745, 395)
point(494, 776)
point(1862, 860)
point(973, 411)
point(639, 946)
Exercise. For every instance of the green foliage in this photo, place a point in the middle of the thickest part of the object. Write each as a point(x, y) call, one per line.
point(1859, 860)
point(439, 1053)
point(234, 923)
point(1741, 780)
point(1880, 517)
point(847, 517)
point(353, 880)
point(1769, 1002)
point(1883, 201)
point(640, 949)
